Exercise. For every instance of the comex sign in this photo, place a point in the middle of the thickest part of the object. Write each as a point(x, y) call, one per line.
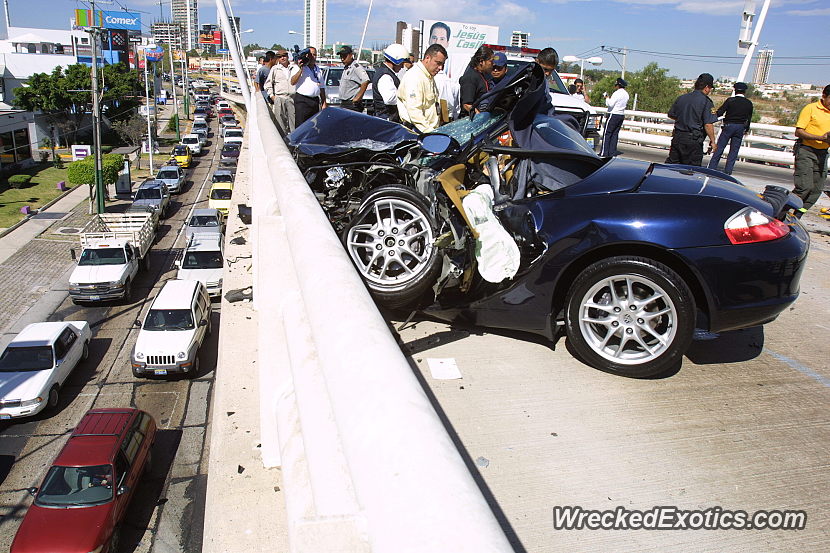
point(109, 20)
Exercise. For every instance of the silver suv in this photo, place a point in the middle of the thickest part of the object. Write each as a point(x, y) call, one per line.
point(331, 76)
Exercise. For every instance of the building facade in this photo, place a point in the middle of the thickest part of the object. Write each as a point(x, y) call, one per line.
point(314, 25)
point(409, 37)
point(520, 39)
point(762, 66)
point(166, 32)
point(186, 14)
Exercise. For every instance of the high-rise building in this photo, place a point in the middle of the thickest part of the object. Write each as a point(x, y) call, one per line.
point(762, 66)
point(167, 33)
point(314, 28)
point(520, 39)
point(409, 37)
point(186, 14)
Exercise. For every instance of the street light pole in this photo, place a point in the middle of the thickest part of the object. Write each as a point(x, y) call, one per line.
point(147, 95)
point(173, 88)
point(96, 121)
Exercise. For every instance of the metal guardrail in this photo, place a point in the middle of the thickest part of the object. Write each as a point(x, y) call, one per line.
point(367, 464)
point(654, 129)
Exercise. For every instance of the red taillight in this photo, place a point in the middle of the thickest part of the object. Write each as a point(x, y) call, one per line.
point(750, 225)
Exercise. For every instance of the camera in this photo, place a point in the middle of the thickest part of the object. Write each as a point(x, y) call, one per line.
point(302, 57)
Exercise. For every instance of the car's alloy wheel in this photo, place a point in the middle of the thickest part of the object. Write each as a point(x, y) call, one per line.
point(391, 242)
point(630, 316)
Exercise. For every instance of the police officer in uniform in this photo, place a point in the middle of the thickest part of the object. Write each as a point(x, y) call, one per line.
point(738, 116)
point(694, 118)
point(386, 80)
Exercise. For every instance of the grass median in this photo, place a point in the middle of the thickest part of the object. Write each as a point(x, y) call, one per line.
point(41, 190)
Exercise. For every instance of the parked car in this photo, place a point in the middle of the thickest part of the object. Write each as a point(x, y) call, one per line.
point(83, 499)
point(220, 196)
point(229, 154)
point(182, 156)
point(153, 193)
point(204, 221)
point(37, 362)
point(194, 143)
point(625, 258)
point(331, 76)
point(173, 330)
point(203, 260)
point(173, 177)
point(232, 134)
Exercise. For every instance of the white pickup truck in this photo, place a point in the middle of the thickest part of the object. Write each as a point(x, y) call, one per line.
point(113, 245)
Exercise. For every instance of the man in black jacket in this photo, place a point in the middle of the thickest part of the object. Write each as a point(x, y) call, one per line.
point(736, 122)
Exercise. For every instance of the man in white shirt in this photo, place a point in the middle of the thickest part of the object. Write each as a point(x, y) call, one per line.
point(386, 80)
point(309, 89)
point(279, 89)
point(616, 113)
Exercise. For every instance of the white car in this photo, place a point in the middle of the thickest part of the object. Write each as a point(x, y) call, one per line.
point(37, 362)
point(193, 143)
point(173, 331)
point(232, 134)
point(203, 261)
point(223, 104)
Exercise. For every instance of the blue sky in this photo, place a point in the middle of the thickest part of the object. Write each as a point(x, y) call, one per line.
point(794, 28)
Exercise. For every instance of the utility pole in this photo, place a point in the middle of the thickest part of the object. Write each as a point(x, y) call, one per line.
point(96, 120)
point(147, 95)
point(173, 88)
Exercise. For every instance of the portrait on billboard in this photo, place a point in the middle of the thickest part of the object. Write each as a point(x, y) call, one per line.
point(460, 39)
point(439, 33)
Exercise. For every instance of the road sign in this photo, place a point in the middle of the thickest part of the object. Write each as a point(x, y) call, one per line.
point(222, 51)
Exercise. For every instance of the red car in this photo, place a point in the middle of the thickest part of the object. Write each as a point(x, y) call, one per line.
point(85, 494)
point(225, 111)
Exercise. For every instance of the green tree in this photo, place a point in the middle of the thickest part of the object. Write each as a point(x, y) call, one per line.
point(248, 48)
point(61, 96)
point(655, 90)
point(277, 46)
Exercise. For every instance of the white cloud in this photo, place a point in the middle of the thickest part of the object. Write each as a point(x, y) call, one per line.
point(810, 13)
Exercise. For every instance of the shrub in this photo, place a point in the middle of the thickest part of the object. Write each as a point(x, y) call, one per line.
point(19, 181)
point(83, 171)
point(171, 124)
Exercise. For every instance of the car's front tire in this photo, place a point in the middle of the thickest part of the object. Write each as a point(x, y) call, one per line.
point(630, 316)
point(391, 243)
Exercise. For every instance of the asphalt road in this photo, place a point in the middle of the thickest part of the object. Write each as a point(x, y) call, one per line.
point(741, 425)
point(166, 514)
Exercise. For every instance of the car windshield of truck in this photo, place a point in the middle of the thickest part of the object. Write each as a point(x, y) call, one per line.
point(221, 194)
point(202, 260)
point(102, 256)
point(222, 178)
point(168, 319)
point(168, 175)
point(203, 221)
point(35, 358)
point(66, 487)
point(148, 194)
point(190, 140)
point(233, 133)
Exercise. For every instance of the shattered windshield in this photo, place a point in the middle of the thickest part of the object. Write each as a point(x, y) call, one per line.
point(464, 129)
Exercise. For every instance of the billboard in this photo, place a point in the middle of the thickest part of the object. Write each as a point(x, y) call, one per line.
point(460, 39)
point(126, 21)
point(210, 34)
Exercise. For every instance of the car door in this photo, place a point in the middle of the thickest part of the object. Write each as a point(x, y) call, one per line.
point(67, 353)
point(123, 478)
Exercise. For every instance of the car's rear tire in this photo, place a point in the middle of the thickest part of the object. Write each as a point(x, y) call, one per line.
point(128, 291)
point(630, 316)
point(391, 243)
point(85, 353)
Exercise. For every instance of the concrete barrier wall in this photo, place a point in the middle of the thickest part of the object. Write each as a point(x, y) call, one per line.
point(366, 461)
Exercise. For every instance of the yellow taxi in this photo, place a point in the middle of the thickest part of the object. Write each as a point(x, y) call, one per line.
point(181, 154)
point(220, 196)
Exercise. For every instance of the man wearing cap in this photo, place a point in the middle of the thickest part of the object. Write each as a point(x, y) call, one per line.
point(278, 87)
point(353, 82)
point(694, 118)
point(499, 67)
point(417, 93)
point(813, 132)
point(616, 113)
point(738, 116)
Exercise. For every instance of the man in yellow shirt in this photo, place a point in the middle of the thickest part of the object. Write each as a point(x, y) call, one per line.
point(418, 94)
point(813, 131)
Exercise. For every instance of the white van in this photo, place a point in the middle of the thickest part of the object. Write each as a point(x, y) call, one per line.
point(173, 330)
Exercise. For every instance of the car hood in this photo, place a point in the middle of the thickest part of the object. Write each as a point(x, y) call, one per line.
point(72, 530)
point(148, 202)
point(24, 384)
point(203, 275)
point(164, 342)
point(93, 274)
